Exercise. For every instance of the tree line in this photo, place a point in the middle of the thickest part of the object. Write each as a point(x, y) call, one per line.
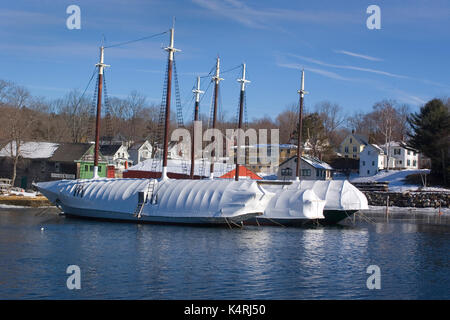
point(72, 119)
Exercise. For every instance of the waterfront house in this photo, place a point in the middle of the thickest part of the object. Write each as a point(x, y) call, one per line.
point(45, 161)
point(116, 155)
point(401, 156)
point(311, 168)
point(353, 145)
point(372, 160)
point(140, 151)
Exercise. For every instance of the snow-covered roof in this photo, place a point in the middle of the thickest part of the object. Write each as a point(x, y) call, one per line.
point(315, 162)
point(30, 150)
point(398, 144)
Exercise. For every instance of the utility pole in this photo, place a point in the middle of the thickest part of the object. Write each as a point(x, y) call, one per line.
point(100, 66)
point(197, 93)
point(243, 81)
point(302, 93)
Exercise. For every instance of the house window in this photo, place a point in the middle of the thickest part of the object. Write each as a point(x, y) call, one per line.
point(43, 166)
point(414, 163)
point(317, 173)
point(346, 149)
point(408, 162)
point(306, 172)
point(57, 167)
point(351, 140)
point(368, 152)
point(368, 171)
point(373, 163)
point(397, 151)
point(91, 168)
point(409, 152)
point(99, 169)
point(354, 149)
point(86, 168)
point(399, 161)
point(364, 163)
point(354, 156)
point(286, 172)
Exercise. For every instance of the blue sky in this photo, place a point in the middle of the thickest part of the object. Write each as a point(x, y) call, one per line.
point(344, 61)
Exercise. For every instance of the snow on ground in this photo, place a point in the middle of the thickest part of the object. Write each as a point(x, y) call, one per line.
point(396, 179)
point(23, 193)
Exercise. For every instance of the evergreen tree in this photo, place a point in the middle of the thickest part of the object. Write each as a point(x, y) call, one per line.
point(431, 136)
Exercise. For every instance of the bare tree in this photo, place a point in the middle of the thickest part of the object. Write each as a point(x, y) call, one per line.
point(332, 118)
point(18, 121)
point(287, 122)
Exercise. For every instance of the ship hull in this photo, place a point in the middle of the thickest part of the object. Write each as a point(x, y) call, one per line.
point(127, 217)
point(282, 222)
point(333, 217)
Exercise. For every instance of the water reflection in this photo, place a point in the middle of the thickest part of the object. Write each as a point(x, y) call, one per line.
point(121, 260)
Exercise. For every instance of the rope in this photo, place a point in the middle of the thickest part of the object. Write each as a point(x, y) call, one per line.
point(136, 40)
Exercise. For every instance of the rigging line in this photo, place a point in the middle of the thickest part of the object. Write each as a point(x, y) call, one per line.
point(239, 66)
point(85, 89)
point(136, 40)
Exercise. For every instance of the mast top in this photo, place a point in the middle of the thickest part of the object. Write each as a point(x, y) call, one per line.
point(243, 81)
point(197, 91)
point(217, 77)
point(171, 49)
point(101, 65)
point(302, 91)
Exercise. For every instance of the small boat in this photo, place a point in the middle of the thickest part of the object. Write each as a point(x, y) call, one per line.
point(341, 198)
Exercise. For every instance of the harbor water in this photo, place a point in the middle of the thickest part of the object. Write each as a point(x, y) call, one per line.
point(132, 261)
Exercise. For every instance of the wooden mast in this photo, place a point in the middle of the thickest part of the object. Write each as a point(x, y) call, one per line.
point(302, 93)
point(100, 66)
point(171, 51)
point(216, 80)
point(243, 81)
point(197, 93)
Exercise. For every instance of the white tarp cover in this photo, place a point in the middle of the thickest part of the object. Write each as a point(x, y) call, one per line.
point(338, 194)
point(175, 198)
point(295, 203)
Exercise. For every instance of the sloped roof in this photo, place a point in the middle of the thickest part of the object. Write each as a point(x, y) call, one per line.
point(69, 152)
point(137, 145)
point(243, 172)
point(30, 149)
point(109, 149)
point(315, 162)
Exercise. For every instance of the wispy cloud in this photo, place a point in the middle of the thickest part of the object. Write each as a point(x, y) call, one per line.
point(318, 62)
point(260, 17)
point(326, 73)
point(358, 55)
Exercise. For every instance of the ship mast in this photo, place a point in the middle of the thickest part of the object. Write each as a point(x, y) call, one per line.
point(302, 93)
point(100, 66)
point(197, 93)
point(171, 50)
point(243, 81)
point(216, 80)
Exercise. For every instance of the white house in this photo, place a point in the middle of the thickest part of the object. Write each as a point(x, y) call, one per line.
point(401, 156)
point(140, 151)
point(372, 159)
point(115, 154)
point(310, 169)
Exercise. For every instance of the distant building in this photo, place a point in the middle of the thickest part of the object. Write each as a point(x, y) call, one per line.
point(140, 151)
point(244, 173)
point(310, 169)
point(116, 155)
point(372, 160)
point(45, 161)
point(401, 156)
point(353, 145)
